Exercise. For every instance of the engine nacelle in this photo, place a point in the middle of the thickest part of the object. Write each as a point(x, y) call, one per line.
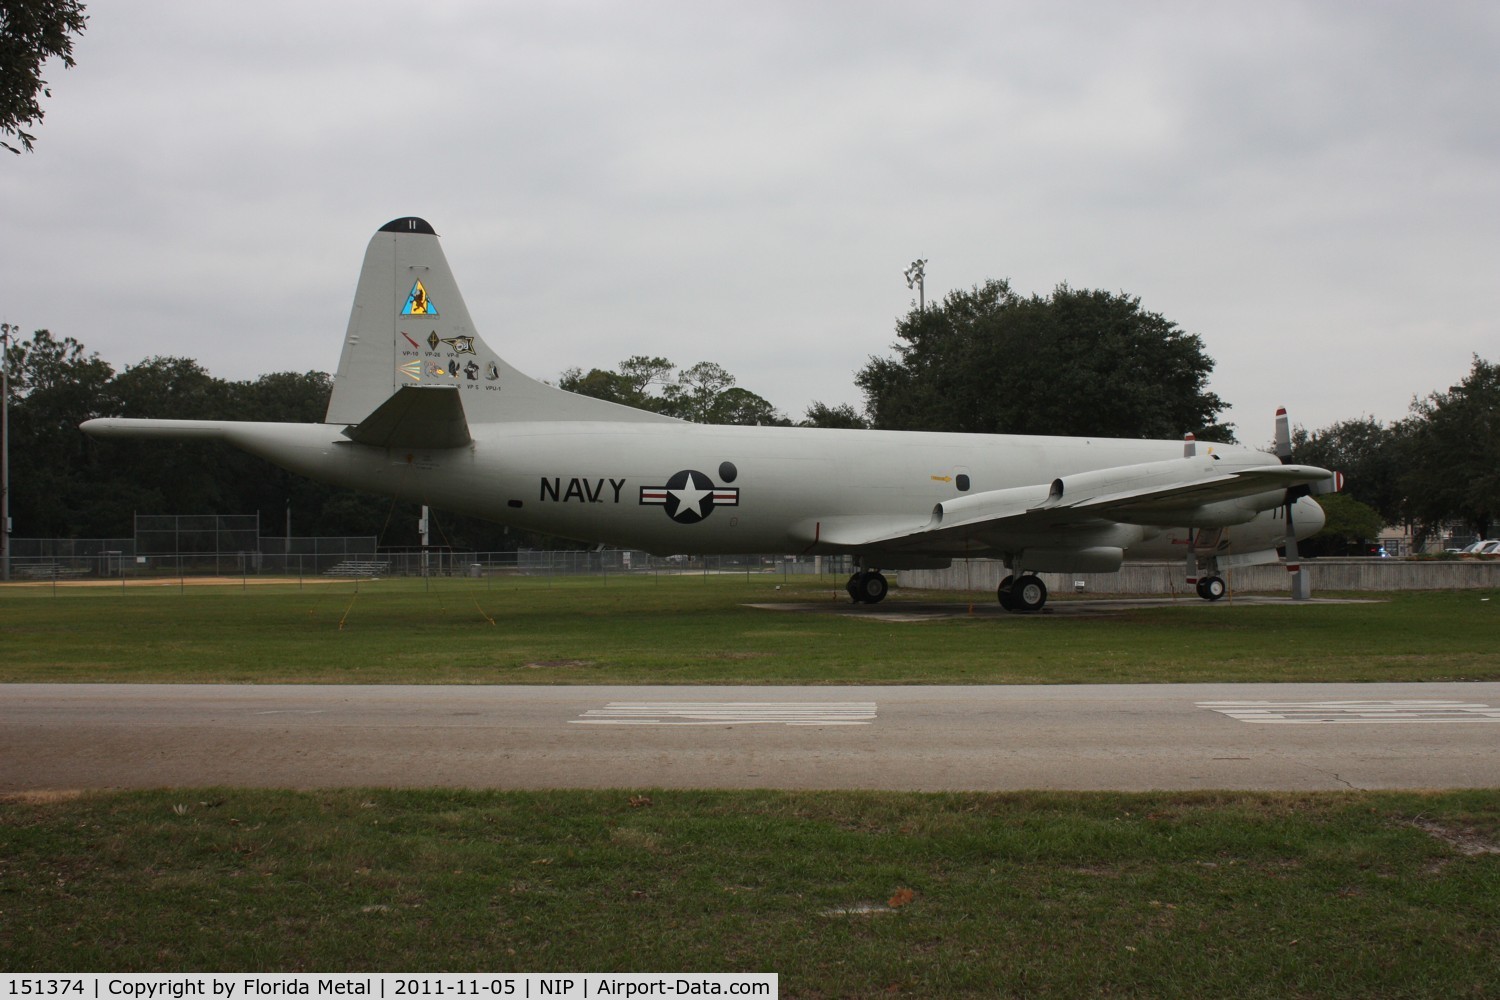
point(1127, 478)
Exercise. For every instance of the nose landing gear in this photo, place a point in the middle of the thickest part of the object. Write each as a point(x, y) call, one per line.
point(1211, 588)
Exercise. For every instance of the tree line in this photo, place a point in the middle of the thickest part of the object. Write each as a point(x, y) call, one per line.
point(1438, 465)
point(983, 360)
point(65, 484)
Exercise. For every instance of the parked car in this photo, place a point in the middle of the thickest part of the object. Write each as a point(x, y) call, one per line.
point(1483, 547)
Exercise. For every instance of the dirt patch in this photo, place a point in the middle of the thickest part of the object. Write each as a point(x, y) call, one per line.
point(1465, 840)
point(185, 581)
point(42, 796)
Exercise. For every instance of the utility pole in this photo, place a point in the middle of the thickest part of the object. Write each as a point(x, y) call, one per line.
point(915, 278)
point(422, 525)
point(6, 330)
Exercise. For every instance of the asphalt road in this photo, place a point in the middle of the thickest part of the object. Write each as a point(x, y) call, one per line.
point(1125, 737)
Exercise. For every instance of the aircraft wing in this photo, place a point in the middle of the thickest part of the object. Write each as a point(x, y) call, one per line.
point(1178, 492)
point(1149, 504)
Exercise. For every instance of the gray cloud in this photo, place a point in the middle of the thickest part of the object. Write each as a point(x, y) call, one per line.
point(1310, 187)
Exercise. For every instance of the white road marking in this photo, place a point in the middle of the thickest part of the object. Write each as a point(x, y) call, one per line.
point(1353, 712)
point(730, 713)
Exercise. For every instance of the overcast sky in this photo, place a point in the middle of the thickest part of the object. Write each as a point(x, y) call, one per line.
point(1313, 188)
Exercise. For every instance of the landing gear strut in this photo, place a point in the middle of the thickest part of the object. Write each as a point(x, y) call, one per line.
point(1026, 593)
point(1202, 547)
point(867, 587)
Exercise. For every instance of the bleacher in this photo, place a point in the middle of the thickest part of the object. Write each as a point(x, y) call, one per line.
point(47, 571)
point(360, 568)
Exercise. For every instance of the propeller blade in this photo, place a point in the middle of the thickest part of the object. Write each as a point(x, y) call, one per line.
point(1283, 436)
point(1293, 561)
point(1301, 588)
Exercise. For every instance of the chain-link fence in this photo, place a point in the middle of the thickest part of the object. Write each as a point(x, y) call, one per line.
point(200, 534)
point(596, 562)
point(60, 560)
point(51, 558)
point(210, 552)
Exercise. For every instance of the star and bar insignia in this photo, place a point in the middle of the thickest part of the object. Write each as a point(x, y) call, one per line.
point(690, 496)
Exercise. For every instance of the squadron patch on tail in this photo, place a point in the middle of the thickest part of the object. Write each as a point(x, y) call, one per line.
point(417, 302)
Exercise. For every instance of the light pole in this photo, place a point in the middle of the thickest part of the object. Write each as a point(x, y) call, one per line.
point(5, 331)
point(915, 276)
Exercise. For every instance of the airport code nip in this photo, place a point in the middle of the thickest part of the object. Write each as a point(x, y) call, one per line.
point(389, 986)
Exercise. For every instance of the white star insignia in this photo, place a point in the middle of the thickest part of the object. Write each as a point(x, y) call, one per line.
point(691, 496)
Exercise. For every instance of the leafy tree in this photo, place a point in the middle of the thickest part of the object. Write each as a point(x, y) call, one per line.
point(1453, 470)
point(693, 394)
point(45, 363)
point(1350, 525)
point(704, 393)
point(735, 405)
point(1085, 363)
point(53, 386)
point(1372, 456)
point(169, 476)
point(633, 385)
point(171, 388)
point(284, 396)
point(31, 32)
point(843, 415)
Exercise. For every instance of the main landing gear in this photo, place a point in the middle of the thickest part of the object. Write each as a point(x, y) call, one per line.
point(1026, 593)
point(867, 587)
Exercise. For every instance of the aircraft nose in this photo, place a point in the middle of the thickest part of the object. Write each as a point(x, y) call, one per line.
point(1308, 517)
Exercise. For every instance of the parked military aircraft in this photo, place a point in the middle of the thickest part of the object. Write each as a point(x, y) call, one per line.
point(423, 409)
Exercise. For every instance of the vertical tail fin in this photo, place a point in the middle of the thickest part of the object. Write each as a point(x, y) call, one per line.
point(410, 329)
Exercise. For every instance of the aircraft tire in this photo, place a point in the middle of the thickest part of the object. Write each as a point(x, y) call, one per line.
point(1029, 594)
point(869, 587)
point(1211, 588)
point(1003, 593)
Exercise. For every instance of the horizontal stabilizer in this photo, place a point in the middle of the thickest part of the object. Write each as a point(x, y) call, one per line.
point(415, 418)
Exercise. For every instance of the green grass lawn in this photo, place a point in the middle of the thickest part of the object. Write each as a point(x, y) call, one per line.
point(843, 894)
point(701, 630)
